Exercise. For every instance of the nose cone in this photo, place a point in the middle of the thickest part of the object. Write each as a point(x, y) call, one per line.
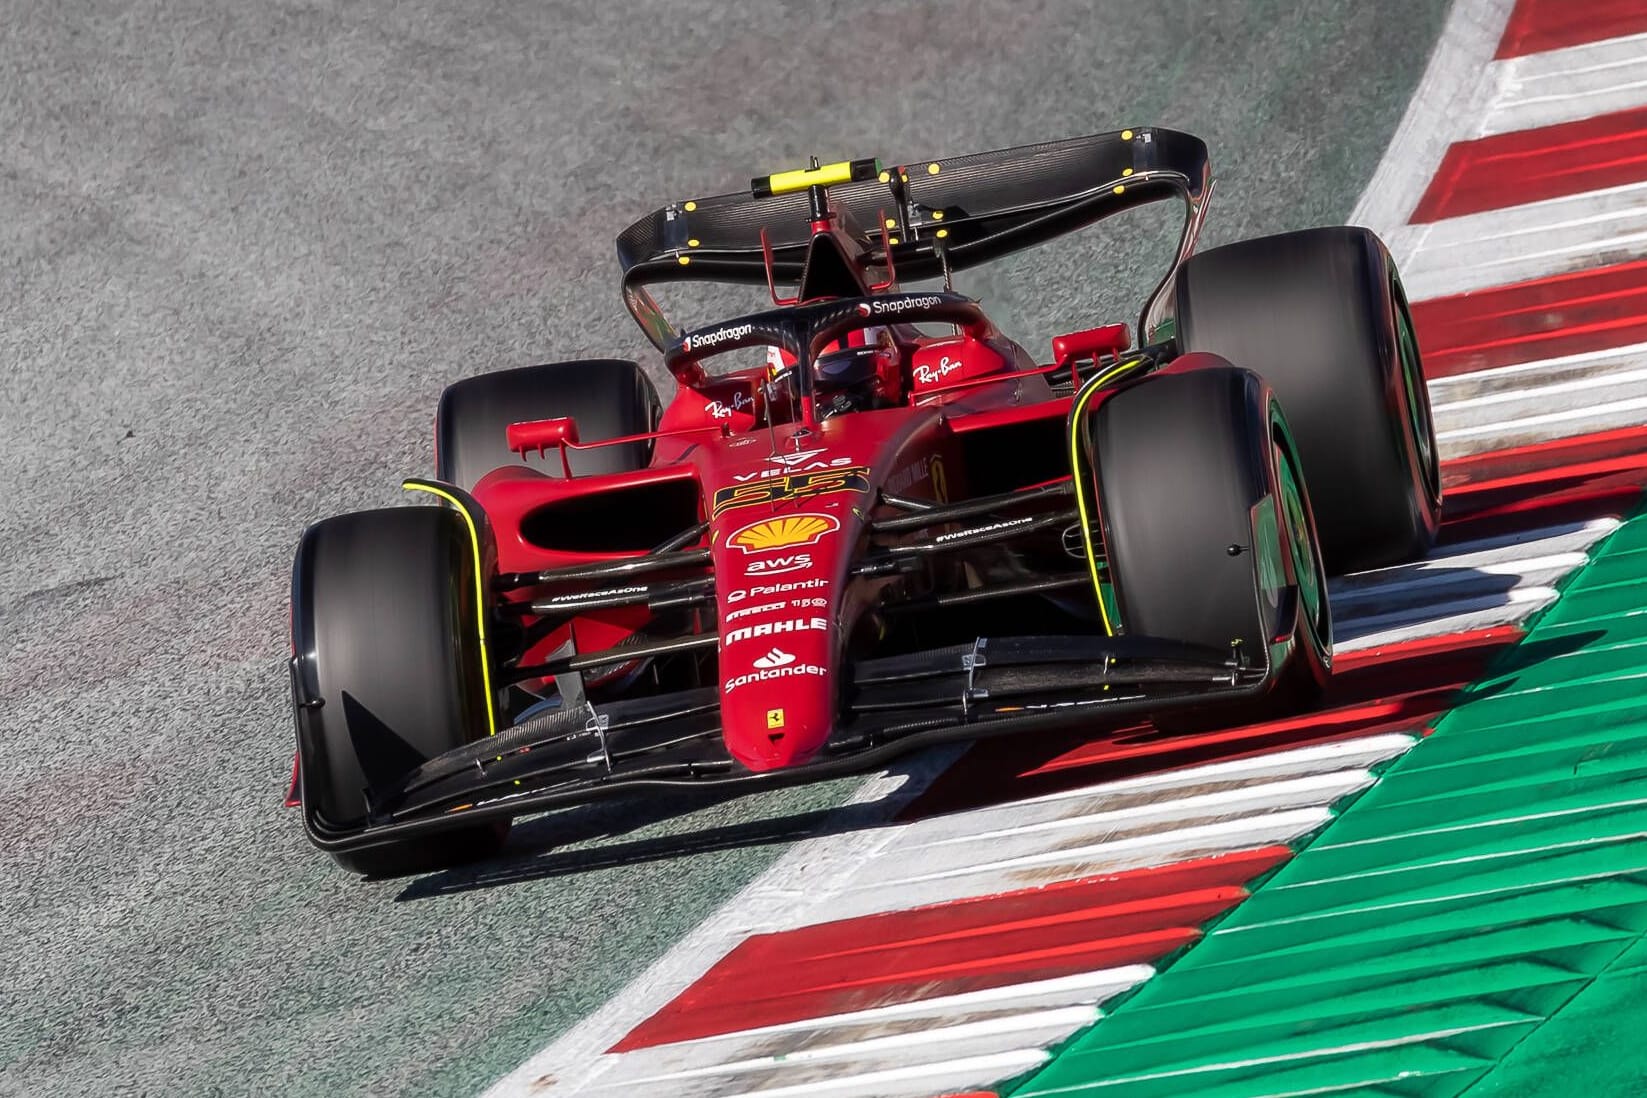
point(784, 525)
point(777, 577)
point(782, 721)
point(777, 677)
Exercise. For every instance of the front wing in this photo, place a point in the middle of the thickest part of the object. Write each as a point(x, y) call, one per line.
point(892, 705)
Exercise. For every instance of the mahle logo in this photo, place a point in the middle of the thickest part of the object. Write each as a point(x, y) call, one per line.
point(769, 628)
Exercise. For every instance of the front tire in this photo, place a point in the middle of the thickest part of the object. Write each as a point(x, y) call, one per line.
point(1207, 524)
point(607, 397)
point(1320, 314)
point(384, 625)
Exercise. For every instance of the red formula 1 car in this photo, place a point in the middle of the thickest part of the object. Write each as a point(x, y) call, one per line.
point(896, 526)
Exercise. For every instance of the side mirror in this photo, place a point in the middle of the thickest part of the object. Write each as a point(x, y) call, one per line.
point(540, 435)
point(1091, 343)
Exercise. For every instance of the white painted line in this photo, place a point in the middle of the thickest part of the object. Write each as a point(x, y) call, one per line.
point(1567, 85)
point(1471, 603)
point(1509, 555)
point(1033, 831)
point(1523, 376)
point(1163, 785)
point(1463, 97)
point(1096, 858)
point(1538, 401)
point(1522, 605)
point(1434, 593)
point(1092, 988)
point(1522, 243)
point(1157, 820)
point(1467, 410)
point(920, 1081)
point(1526, 430)
point(1475, 585)
point(1441, 572)
point(1033, 1029)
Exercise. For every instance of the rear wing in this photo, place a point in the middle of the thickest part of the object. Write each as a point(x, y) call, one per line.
point(932, 216)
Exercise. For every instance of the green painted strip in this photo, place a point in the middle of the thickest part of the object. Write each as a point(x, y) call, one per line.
point(1474, 921)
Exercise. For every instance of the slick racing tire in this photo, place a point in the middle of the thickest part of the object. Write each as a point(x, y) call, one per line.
point(1207, 523)
point(608, 398)
point(386, 631)
point(1321, 315)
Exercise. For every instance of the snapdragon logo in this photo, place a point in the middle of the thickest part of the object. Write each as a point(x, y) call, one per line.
point(698, 342)
point(881, 306)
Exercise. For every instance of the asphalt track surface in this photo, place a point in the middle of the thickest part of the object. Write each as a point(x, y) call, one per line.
point(242, 247)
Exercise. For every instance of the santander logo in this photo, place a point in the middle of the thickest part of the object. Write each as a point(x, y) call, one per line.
point(775, 658)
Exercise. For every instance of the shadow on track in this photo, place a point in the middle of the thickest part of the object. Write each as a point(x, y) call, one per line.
point(536, 849)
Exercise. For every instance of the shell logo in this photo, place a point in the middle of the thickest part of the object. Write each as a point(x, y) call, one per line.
point(783, 533)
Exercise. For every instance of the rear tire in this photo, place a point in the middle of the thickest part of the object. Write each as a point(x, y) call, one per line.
point(384, 625)
point(1321, 315)
point(1190, 463)
point(607, 397)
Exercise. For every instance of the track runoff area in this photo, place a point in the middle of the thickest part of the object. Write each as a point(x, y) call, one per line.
point(1384, 897)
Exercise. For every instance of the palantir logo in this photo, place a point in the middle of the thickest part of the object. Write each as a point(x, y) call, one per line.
point(775, 658)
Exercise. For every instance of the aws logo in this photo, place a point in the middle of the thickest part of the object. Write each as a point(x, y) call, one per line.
point(779, 566)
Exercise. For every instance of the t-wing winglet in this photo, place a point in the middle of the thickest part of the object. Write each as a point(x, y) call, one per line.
point(973, 208)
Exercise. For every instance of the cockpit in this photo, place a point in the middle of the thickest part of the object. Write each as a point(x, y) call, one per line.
point(839, 356)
